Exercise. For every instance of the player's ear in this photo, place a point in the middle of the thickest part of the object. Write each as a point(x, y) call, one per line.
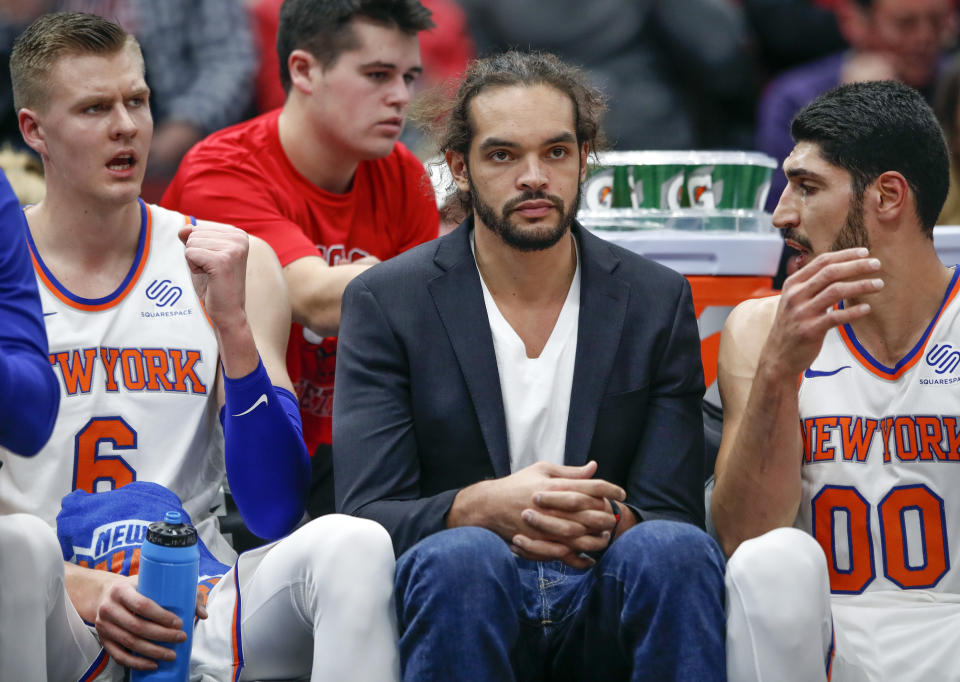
point(892, 191)
point(457, 163)
point(302, 67)
point(32, 131)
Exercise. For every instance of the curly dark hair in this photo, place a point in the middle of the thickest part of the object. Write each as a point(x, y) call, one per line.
point(445, 111)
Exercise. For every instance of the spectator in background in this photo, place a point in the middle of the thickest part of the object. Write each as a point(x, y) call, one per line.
point(15, 15)
point(445, 49)
point(946, 105)
point(323, 180)
point(24, 172)
point(200, 61)
point(889, 39)
point(678, 73)
point(791, 32)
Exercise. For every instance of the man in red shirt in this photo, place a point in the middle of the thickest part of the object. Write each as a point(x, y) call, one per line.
point(323, 179)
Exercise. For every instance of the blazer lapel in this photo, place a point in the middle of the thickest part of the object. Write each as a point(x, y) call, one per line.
point(603, 306)
point(459, 299)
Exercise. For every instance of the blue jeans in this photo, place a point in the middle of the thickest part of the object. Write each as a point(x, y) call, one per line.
point(651, 609)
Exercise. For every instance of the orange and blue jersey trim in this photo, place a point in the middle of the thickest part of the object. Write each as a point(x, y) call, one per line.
point(910, 359)
point(112, 299)
point(98, 666)
point(237, 643)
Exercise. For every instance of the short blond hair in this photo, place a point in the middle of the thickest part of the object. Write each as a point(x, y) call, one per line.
point(52, 37)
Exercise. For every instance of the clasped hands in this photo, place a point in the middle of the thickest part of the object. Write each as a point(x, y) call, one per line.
point(553, 512)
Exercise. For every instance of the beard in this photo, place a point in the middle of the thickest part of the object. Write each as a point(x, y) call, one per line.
point(854, 232)
point(529, 238)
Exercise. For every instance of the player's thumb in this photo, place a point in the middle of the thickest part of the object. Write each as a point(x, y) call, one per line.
point(185, 232)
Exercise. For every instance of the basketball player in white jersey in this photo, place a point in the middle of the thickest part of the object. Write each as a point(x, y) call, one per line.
point(838, 479)
point(141, 305)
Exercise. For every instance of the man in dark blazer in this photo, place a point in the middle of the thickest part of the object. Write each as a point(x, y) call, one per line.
point(518, 403)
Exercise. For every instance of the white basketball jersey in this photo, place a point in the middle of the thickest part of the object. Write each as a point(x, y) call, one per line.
point(881, 467)
point(137, 373)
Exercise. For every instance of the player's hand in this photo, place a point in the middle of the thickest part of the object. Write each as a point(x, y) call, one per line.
point(570, 514)
point(805, 312)
point(509, 508)
point(572, 519)
point(217, 256)
point(129, 625)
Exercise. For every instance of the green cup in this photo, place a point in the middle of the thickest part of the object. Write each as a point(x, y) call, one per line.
point(659, 186)
point(673, 180)
point(597, 191)
point(728, 186)
point(636, 186)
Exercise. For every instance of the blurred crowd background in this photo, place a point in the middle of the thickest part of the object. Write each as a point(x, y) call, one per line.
point(680, 74)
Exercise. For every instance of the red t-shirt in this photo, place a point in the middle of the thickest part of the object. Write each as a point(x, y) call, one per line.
point(241, 175)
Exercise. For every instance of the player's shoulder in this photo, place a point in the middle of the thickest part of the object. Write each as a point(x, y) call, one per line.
point(261, 254)
point(750, 321)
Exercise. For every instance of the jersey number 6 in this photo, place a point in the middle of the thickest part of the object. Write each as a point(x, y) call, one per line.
point(91, 469)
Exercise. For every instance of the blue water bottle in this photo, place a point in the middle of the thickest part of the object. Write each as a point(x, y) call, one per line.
point(169, 569)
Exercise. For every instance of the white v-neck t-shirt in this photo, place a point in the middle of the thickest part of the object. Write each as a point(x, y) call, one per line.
point(536, 391)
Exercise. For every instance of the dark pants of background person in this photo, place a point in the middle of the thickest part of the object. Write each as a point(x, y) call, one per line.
point(320, 495)
point(651, 609)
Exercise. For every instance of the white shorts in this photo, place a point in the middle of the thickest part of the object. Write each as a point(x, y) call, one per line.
point(783, 624)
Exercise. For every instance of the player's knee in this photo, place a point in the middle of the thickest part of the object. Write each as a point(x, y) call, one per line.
point(456, 558)
point(668, 549)
point(780, 579)
point(357, 546)
point(28, 541)
point(784, 555)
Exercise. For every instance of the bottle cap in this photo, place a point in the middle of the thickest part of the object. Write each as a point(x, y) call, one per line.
point(172, 531)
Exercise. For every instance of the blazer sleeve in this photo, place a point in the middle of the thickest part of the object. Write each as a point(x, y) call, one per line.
point(375, 458)
point(666, 478)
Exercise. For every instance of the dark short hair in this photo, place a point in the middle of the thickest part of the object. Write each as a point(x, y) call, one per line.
point(874, 127)
point(51, 37)
point(322, 27)
point(448, 115)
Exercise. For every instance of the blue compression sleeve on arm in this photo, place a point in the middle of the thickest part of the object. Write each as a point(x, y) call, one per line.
point(268, 468)
point(29, 394)
point(26, 381)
